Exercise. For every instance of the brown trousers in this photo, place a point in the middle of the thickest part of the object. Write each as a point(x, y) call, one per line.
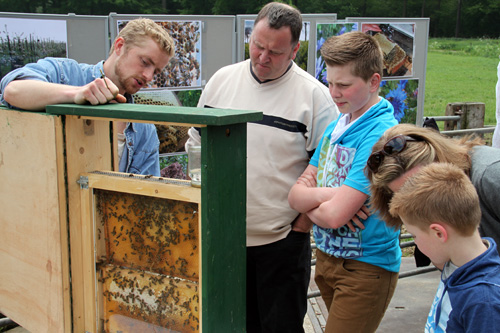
point(355, 293)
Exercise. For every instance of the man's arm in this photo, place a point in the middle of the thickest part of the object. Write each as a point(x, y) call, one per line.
point(36, 95)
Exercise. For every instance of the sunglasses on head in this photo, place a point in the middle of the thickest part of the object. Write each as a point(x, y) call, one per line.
point(393, 146)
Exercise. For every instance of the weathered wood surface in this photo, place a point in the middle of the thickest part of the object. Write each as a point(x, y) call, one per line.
point(34, 279)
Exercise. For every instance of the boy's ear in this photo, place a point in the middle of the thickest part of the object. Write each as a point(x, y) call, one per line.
point(375, 82)
point(439, 231)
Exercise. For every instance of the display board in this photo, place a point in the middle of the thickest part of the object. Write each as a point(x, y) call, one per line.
point(304, 58)
point(25, 38)
point(404, 43)
point(209, 39)
point(205, 43)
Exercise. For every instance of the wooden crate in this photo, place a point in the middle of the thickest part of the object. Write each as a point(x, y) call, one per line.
point(82, 173)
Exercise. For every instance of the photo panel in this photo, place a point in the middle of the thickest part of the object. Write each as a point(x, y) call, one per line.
point(184, 69)
point(397, 43)
point(323, 32)
point(403, 95)
point(24, 40)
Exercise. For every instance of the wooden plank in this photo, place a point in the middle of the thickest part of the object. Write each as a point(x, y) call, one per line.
point(158, 113)
point(63, 212)
point(147, 121)
point(34, 281)
point(89, 271)
point(86, 150)
point(151, 186)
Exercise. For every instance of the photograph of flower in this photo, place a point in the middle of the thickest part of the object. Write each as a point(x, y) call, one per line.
point(323, 32)
point(302, 54)
point(184, 69)
point(24, 41)
point(402, 94)
point(397, 44)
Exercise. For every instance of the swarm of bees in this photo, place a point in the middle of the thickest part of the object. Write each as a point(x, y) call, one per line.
point(148, 269)
point(172, 138)
point(183, 69)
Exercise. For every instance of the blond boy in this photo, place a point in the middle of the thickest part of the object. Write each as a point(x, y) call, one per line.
point(439, 206)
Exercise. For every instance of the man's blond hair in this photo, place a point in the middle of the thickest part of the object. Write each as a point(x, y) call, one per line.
point(136, 30)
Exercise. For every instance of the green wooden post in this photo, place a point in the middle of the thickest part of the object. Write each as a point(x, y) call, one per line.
point(223, 229)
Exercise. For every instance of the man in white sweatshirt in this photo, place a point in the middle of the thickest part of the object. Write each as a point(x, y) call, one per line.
point(297, 108)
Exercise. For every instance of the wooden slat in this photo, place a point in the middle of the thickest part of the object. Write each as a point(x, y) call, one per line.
point(157, 113)
point(88, 148)
point(63, 213)
point(114, 181)
point(88, 257)
point(34, 279)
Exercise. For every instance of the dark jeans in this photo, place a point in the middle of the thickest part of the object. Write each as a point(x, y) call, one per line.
point(278, 276)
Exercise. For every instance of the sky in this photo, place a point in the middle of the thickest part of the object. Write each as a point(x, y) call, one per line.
point(54, 30)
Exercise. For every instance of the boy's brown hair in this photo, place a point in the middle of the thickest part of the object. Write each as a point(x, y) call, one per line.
point(438, 192)
point(354, 47)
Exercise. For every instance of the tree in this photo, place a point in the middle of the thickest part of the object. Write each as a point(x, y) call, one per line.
point(459, 18)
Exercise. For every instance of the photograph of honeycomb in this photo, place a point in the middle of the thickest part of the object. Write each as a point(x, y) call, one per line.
point(397, 43)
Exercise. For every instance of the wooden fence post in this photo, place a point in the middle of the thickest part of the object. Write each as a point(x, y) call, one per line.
point(471, 115)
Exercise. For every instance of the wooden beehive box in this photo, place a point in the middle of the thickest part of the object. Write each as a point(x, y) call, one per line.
point(132, 253)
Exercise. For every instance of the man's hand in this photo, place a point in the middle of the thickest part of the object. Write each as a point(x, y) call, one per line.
point(302, 223)
point(99, 91)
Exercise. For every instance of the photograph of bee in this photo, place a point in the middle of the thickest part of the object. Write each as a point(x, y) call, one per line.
point(184, 69)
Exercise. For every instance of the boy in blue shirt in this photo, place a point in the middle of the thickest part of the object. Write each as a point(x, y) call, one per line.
point(357, 261)
point(439, 206)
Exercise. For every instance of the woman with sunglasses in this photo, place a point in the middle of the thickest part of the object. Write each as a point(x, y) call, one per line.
point(404, 148)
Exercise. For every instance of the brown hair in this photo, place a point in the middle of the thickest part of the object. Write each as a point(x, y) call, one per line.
point(438, 192)
point(433, 147)
point(357, 48)
point(282, 15)
point(136, 30)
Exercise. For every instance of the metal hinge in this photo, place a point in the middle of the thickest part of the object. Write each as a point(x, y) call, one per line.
point(84, 182)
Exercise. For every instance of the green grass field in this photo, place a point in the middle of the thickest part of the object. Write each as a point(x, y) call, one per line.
point(461, 70)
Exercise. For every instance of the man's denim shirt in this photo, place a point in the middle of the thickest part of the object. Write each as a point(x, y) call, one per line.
point(142, 153)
